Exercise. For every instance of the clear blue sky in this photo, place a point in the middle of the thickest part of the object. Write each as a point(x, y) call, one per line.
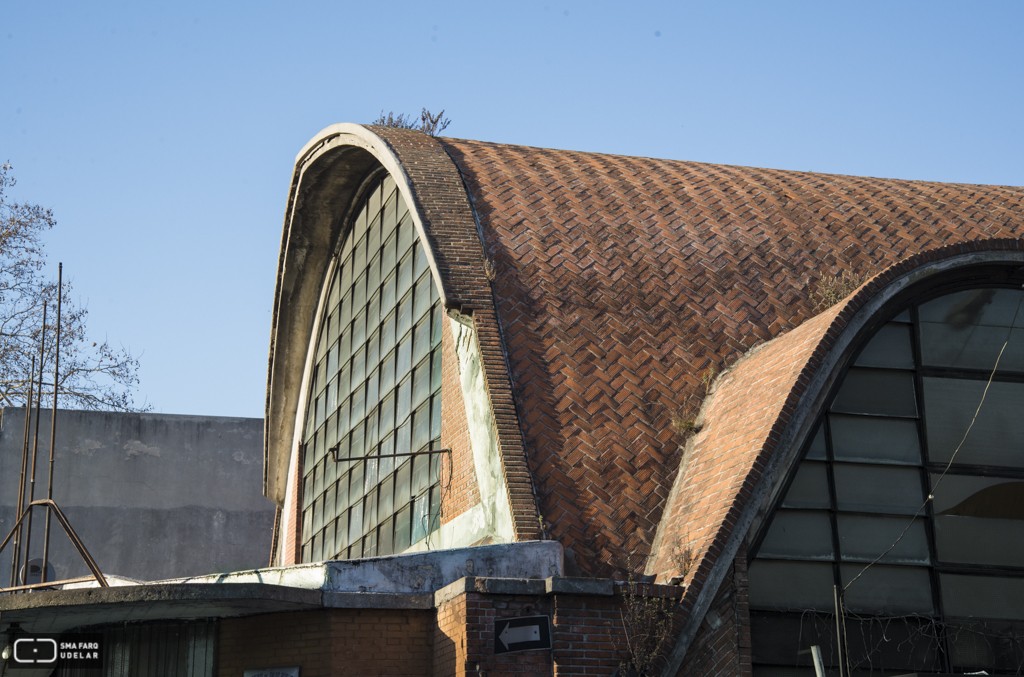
point(163, 134)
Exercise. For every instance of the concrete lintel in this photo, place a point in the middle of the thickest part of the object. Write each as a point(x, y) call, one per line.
point(566, 585)
point(379, 600)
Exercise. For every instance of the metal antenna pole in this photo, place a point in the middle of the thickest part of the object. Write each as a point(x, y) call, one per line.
point(16, 557)
point(35, 444)
point(53, 422)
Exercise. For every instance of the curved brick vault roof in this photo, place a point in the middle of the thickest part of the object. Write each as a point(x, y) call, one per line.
point(620, 281)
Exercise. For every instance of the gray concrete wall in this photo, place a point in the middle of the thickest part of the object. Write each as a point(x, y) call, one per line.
point(152, 496)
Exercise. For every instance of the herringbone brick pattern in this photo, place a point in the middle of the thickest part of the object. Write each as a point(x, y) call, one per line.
point(620, 281)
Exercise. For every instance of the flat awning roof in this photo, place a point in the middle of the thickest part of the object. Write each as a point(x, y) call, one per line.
point(60, 610)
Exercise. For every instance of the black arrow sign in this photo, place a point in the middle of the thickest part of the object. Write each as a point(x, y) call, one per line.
point(528, 633)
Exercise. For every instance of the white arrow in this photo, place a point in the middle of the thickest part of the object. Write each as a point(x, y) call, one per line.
point(524, 633)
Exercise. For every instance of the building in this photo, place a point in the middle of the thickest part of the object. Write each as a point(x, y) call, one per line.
point(152, 496)
point(511, 382)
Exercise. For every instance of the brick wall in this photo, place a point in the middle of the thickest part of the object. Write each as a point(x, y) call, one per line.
point(589, 636)
point(329, 642)
point(722, 645)
point(462, 492)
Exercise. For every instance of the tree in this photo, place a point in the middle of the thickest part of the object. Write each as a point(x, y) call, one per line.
point(92, 375)
point(428, 122)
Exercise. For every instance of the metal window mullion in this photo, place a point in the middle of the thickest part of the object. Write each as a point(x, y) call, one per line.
point(922, 436)
point(833, 513)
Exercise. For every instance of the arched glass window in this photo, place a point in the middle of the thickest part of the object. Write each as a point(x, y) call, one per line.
point(931, 585)
point(373, 421)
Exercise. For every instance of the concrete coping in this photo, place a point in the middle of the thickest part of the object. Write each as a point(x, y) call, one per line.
point(554, 585)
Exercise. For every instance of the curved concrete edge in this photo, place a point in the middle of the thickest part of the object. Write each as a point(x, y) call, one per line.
point(850, 323)
point(284, 399)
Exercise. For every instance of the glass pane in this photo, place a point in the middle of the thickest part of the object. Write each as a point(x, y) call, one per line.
point(343, 500)
point(403, 523)
point(978, 645)
point(388, 259)
point(404, 315)
point(355, 522)
point(329, 547)
point(422, 295)
point(341, 540)
point(435, 417)
point(997, 437)
point(889, 347)
point(982, 596)
point(863, 538)
point(356, 483)
point(386, 538)
point(897, 591)
point(786, 639)
point(979, 520)
point(877, 391)
point(405, 275)
point(404, 400)
point(875, 440)
point(404, 357)
point(420, 473)
point(421, 428)
point(403, 438)
point(817, 450)
point(420, 383)
point(799, 534)
point(373, 267)
point(421, 339)
point(809, 488)
point(967, 329)
point(435, 371)
point(403, 483)
point(874, 488)
point(330, 511)
point(435, 509)
point(420, 517)
point(777, 584)
point(436, 324)
point(387, 496)
point(387, 294)
point(370, 520)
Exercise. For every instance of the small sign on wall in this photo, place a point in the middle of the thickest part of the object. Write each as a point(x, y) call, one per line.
point(526, 633)
point(272, 672)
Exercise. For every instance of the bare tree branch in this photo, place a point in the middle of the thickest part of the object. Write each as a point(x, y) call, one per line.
point(92, 375)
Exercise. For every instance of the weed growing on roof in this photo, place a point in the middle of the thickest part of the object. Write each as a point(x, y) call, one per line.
point(429, 123)
point(831, 289)
point(682, 560)
point(684, 421)
point(490, 270)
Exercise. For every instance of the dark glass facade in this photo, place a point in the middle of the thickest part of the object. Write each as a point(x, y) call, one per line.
point(919, 522)
point(375, 392)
